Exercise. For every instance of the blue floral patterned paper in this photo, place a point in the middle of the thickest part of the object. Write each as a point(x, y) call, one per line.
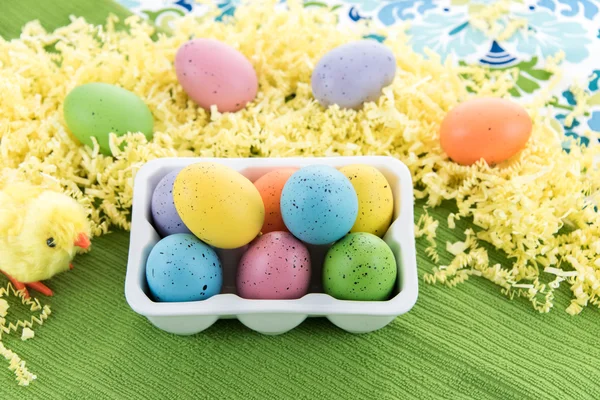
point(572, 26)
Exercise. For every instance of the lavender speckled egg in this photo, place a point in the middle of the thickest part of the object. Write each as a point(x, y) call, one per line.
point(183, 268)
point(353, 73)
point(275, 266)
point(319, 204)
point(164, 215)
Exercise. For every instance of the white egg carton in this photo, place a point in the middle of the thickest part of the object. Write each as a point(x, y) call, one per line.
point(272, 317)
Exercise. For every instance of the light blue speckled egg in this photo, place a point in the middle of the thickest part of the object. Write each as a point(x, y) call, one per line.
point(183, 268)
point(319, 204)
point(164, 215)
point(353, 73)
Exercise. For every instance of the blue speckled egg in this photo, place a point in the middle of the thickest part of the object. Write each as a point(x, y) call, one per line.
point(183, 268)
point(319, 204)
point(164, 215)
point(353, 73)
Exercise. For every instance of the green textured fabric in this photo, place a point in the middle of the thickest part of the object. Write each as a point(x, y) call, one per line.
point(53, 13)
point(468, 342)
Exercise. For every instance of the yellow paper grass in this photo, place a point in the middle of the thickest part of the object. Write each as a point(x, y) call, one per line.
point(520, 207)
point(23, 376)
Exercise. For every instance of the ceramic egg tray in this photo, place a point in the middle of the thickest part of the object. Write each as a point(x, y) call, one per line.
point(272, 316)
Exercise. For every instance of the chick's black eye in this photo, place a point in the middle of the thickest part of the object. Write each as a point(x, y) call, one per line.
point(50, 242)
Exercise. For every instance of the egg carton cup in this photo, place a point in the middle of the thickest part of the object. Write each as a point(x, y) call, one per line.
point(272, 317)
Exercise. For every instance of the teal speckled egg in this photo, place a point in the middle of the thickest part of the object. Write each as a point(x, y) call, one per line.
point(319, 204)
point(97, 109)
point(361, 266)
point(183, 268)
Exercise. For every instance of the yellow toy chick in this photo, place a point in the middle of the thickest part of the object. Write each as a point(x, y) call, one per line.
point(40, 232)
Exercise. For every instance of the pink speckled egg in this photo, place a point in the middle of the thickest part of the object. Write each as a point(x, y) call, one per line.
point(275, 266)
point(213, 73)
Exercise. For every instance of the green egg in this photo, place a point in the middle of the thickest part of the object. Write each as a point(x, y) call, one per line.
point(97, 109)
point(360, 266)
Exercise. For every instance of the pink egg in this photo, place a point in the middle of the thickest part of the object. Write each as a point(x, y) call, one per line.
point(213, 73)
point(276, 266)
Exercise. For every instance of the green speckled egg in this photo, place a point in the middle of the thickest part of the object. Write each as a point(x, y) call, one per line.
point(360, 266)
point(97, 109)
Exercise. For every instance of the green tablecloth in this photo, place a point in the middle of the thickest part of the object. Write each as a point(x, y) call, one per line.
point(469, 342)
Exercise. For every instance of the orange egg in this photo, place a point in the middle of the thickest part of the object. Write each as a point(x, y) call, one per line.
point(490, 128)
point(270, 186)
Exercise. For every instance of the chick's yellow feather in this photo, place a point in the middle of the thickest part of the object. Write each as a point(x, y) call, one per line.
point(38, 231)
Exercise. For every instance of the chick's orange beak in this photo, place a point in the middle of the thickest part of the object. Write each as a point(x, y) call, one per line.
point(83, 241)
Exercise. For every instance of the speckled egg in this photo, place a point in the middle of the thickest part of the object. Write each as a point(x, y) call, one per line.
point(361, 266)
point(164, 215)
point(270, 186)
point(214, 73)
point(492, 129)
point(319, 204)
point(218, 204)
point(182, 268)
point(97, 109)
point(275, 266)
point(375, 199)
point(353, 73)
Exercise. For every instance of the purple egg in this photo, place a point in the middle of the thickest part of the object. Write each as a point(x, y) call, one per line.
point(166, 219)
point(353, 73)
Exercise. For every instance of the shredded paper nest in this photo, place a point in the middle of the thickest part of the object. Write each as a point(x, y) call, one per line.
point(8, 325)
point(539, 208)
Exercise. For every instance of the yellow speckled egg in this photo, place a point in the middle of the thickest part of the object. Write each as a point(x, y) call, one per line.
point(375, 199)
point(218, 204)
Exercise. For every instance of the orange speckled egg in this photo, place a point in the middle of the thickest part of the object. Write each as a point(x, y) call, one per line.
point(490, 128)
point(270, 186)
